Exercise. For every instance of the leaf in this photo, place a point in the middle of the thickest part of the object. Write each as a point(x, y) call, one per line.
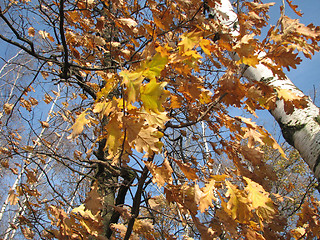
point(251, 61)
point(206, 232)
point(7, 107)
point(153, 68)
point(44, 124)
point(260, 200)
point(175, 102)
point(27, 232)
point(45, 35)
point(205, 45)
point(238, 204)
point(156, 119)
point(114, 136)
point(132, 81)
point(152, 96)
point(207, 196)
point(129, 22)
point(189, 172)
point(78, 126)
point(31, 31)
point(47, 98)
point(294, 8)
point(13, 197)
point(93, 201)
point(142, 137)
point(161, 175)
point(291, 100)
point(189, 40)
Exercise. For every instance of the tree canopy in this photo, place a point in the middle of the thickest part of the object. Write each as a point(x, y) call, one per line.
point(134, 120)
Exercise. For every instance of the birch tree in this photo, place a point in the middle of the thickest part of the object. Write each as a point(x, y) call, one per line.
point(155, 150)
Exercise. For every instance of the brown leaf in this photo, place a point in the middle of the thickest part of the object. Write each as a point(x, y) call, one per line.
point(7, 107)
point(161, 175)
point(93, 201)
point(27, 232)
point(13, 197)
point(31, 31)
point(189, 172)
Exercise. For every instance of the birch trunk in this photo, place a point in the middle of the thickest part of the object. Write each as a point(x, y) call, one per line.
point(301, 129)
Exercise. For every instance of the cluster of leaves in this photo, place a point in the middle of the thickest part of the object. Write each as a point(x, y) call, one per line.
point(139, 79)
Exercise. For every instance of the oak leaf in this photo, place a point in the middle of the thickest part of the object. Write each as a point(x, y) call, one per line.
point(132, 81)
point(7, 107)
point(189, 172)
point(153, 95)
point(114, 136)
point(128, 22)
point(294, 8)
point(260, 200)
point(238, 204)
point(31, 31)
point(93, 201)
point(156, 119)
point(207, 196)
point(161, 175)
point(291, 100)
point(27, 232)
point(79, 124)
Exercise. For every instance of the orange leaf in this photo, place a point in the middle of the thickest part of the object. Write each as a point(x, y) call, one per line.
point(189, 172)
point(294, 8)
point(161, 175)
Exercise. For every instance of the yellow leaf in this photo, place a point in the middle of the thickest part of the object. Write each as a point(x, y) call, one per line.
point(207, 197)
point(238, 204)
point(251, 60)
point(205, 45)
point(153, 68)
point(78, 126)
point(298, 233)
point(132, 81)
point(260, 200)
point(114, 137)
point(152, 95)
point(156, 119)
point(189, 40)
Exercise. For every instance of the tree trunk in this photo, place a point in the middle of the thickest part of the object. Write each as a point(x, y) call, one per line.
point(301, 129)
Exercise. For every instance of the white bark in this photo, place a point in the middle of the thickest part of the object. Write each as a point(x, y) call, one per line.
point(301, 129)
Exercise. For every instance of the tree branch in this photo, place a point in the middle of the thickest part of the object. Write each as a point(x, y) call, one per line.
point(137, 200)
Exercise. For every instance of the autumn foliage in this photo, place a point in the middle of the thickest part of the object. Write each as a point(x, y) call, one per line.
point(151, 148)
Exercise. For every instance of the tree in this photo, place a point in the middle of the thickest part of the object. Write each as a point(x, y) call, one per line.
point(153, 151)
